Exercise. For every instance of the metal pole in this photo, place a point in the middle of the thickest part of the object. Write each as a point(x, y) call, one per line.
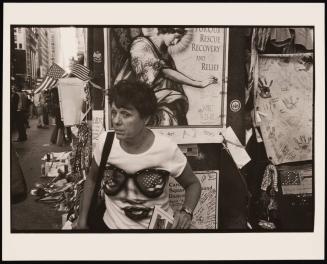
point(107, 73)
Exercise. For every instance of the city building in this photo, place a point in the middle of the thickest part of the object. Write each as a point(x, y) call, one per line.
point(20, 38)
point(25, 55)
point(43, 58)
point(54, 43)
point(81, 36)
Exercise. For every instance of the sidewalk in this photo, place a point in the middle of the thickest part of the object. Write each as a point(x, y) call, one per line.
point(30, 215)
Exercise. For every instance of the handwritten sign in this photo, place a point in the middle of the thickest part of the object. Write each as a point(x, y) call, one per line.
point(205, 215)
point(97, 125)
point(284, 102)
point(192, 135)
point(204, 56)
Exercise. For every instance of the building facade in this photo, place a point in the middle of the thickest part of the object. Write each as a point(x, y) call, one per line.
point(54, 41)
point(25, 55)
point(43, 56)
point(81, 37)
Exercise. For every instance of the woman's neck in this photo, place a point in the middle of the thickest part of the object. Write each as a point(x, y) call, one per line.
point(140, 143)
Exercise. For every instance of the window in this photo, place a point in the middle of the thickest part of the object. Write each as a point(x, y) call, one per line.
point(20, 46)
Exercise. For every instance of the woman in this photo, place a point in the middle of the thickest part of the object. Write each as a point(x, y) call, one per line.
point(139, 165)
point(151, 63)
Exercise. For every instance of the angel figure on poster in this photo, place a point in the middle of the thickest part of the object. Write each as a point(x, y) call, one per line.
point(150, 61)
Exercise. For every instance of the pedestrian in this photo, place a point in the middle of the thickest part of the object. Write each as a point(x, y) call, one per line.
point(39, 101)
point(140, 162)
point(27, 112)
point(13, 108)
point(31, 107)
point(46, 108)
point(20, 107)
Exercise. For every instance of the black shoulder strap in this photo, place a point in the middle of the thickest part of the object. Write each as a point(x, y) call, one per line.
point(105, 153)
point(95, 212)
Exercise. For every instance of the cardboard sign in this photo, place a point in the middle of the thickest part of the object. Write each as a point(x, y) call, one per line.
point(205, 215)
point(284, 102)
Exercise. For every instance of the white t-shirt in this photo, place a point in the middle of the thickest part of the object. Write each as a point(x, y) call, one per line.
point(163, 154)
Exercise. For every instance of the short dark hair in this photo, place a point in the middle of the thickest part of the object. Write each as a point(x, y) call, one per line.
point(171, 30)
point(137, 94)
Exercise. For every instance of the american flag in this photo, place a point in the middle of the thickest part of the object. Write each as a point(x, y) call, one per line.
point(81, 72)
point(55, 72)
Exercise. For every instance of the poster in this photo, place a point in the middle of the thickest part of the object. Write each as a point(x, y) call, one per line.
point(205, 215)
point(284, 102)
point(71, 94)
point(203, 56)
point(195, 98)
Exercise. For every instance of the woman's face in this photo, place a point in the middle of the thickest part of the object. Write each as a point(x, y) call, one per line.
point(171, 39)
point(127, 122)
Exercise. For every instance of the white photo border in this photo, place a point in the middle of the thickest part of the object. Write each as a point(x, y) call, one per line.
point(178, 246)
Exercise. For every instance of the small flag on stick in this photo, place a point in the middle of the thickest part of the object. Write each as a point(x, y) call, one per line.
point(81, 72)
point(54, 73)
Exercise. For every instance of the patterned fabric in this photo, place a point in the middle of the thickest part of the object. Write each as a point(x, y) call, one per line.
point(270, 178)
point(296, 179)
point(81, 72)
point(55, 72)
point(82, 148)
point(262, 37)
point(290, 178)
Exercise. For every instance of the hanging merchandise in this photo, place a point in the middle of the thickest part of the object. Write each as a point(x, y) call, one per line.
point(262, 37)
point(304, 37)
point(282, 40)
point(296, 179)
point(280, 36)
point(80, 166)
point(66, 172)
point(81, 149)
point(268, 198)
